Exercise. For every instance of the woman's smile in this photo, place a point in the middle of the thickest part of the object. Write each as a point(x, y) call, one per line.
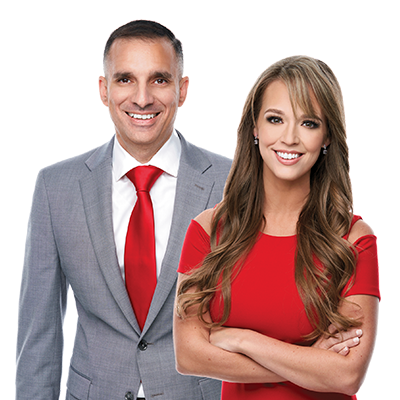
point(290, 141)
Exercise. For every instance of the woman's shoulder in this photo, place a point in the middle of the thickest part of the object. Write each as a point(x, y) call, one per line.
point(205, 220)
point(359, 229)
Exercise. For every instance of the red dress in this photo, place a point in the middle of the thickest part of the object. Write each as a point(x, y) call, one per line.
point(265, 299)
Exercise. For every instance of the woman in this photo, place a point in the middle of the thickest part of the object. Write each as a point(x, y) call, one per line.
point(281, 264)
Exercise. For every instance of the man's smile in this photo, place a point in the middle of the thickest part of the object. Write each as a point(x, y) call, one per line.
point(142, 116)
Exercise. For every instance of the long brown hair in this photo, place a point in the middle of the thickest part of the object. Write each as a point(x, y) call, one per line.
point(323, 221)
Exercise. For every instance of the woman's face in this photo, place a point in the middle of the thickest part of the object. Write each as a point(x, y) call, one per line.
point(290, 141)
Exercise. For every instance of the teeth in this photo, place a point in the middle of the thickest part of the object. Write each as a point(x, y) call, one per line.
point(288, 156)
point(142, 116)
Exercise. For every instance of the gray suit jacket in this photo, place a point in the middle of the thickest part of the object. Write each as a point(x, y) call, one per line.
point(70, 242)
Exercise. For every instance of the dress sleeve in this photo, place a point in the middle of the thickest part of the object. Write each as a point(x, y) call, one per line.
point(195, 247)
point(366, 280)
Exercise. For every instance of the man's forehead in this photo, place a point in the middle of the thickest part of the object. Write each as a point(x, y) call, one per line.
point(121, 48)
point(120, 43)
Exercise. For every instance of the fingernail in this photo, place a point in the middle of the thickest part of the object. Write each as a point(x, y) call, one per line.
point(356, 340)
point(359, 332)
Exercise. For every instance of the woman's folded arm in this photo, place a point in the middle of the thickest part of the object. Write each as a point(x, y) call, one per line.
point(195, 355)
point(309, 367)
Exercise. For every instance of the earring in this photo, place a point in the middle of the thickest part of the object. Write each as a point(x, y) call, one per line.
point(256, 140)
point(324, 151)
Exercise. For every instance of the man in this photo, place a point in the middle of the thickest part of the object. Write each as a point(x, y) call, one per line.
point(80, 219)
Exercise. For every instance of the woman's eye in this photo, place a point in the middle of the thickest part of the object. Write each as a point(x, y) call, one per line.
point(274, 120)
point(310, 124)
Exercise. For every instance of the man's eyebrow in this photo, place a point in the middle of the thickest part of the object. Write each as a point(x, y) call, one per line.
point(122, 75)
point(161, 74)
point(153, 75)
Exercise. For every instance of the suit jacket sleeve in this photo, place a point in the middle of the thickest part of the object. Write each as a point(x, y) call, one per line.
point(42, 307)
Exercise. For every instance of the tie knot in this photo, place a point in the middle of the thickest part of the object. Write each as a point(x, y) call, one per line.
point(144, 177)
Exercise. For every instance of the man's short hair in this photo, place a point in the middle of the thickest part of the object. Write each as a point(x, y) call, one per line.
point(143, 29)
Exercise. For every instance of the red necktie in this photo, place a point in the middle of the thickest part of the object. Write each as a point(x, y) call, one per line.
point(140, 248)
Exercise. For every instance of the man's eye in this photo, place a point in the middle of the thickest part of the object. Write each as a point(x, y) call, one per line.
point(160, 81)
point(124, 80)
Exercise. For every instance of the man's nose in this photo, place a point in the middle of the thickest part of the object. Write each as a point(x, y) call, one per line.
point(142, 96)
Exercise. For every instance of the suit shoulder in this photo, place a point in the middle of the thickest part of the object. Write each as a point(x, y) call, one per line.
point(217, 157)
point(79, 163)
point(214, 158)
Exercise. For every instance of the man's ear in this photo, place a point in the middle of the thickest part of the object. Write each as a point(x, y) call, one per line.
point(103, 90)
point(183, 88)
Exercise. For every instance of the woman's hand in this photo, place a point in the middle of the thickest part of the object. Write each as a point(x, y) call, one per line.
point(341, 343)
point(229, 339)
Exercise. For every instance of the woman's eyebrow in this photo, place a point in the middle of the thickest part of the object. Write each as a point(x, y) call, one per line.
point(305, 116)
point(274, 111)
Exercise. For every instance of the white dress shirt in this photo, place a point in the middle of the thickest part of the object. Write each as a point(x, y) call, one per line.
point(162, 195)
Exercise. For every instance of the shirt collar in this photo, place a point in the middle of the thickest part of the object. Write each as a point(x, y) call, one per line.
point(167, 158)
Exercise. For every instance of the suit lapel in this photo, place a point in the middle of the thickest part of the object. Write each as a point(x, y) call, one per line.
point(96, 189)
point(192, 195)
point(191, 198)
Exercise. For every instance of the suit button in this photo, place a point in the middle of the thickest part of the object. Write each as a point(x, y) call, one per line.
point(142, 345)
point(129, 396)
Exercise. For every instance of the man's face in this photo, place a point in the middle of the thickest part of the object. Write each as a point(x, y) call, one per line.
point(143, 91)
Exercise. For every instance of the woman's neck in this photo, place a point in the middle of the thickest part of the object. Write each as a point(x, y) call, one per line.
point(283, 204)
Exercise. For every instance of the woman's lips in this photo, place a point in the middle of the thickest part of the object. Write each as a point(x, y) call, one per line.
point(288, 157)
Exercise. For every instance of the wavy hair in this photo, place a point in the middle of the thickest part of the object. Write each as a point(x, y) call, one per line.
point(324, 220)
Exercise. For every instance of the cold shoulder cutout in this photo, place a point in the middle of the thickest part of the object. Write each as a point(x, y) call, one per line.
point(358, 230)
point(205, 220)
